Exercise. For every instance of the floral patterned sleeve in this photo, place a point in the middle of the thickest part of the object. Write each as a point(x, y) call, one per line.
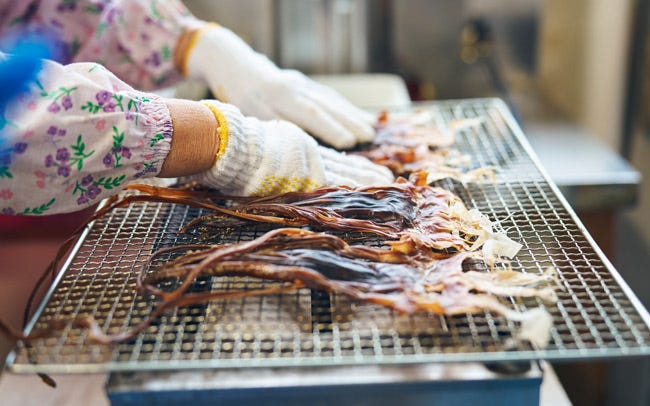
point(78, 136)
point(134, 39)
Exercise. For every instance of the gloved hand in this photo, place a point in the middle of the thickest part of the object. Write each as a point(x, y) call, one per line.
point(261, 158)
point(238, 75)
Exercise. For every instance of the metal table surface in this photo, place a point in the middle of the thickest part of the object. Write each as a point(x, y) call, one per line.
point(590, 175)
point(596, 316)
point(431, 383)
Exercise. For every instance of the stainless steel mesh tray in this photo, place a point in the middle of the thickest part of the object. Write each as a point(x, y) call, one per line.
point(597, 315)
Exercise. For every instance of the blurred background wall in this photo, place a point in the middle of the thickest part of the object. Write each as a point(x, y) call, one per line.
point(568, 69)
point(573, 53)
point(579, 66)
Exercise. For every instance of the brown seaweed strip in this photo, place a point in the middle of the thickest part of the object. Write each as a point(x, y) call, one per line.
point(436, 285)
point(222, 260)
point(403, 209)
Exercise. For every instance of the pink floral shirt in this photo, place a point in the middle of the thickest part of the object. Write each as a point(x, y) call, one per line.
point(82, 132)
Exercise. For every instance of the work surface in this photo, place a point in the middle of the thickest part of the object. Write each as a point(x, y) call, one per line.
point(596, 315)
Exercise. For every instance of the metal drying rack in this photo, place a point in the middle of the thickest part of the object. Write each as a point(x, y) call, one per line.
point(596, 315)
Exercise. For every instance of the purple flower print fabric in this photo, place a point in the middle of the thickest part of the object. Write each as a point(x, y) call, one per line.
point(82, 132)
point(134, 39)
point(78, 136)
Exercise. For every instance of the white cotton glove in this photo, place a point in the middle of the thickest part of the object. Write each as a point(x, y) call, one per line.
point(238, 75)
point(261, 158)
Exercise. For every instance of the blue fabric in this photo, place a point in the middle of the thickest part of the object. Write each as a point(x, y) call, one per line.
point(17, 69)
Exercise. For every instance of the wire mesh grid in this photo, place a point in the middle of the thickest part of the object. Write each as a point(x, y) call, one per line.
point(596, 314)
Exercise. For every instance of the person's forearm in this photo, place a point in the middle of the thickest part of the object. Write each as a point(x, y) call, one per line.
point(195, 140)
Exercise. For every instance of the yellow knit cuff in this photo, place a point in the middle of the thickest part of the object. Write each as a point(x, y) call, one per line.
point(194, 39)
point(222, 130)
